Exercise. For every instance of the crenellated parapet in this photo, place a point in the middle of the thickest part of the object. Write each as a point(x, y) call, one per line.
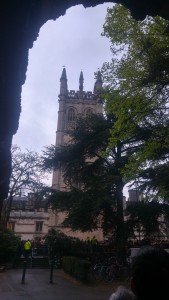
point(72, 94)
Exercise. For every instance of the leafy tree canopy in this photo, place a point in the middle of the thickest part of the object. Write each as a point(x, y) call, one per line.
point(136, 92)
point(144, 219)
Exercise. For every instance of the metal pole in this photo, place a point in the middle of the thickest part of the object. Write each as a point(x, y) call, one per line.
point(24, 271)
point(51, 271)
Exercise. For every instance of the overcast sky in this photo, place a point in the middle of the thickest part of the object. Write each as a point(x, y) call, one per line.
point(74, 41)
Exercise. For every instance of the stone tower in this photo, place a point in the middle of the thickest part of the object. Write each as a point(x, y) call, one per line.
point(72, 104)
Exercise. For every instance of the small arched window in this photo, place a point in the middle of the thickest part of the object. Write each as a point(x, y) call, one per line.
point(71, 115)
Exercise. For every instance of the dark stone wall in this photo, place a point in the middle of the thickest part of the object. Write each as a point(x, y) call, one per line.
point(141, 8)
point(20, 22)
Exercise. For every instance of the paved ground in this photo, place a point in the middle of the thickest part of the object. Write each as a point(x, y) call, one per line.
point(37, 287)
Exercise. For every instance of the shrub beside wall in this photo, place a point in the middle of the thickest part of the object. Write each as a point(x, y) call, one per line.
point(9, 243)
point(76, 267)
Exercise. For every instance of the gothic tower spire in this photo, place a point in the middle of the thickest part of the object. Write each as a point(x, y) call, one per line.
point(98, 84)
point(63, 82)
point(81, 79)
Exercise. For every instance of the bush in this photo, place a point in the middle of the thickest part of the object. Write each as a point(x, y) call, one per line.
point(9, 243)
point(69, 264)
point(76, 267)
point(59, 243)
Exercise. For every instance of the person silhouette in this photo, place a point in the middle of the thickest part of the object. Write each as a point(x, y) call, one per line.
point(150, 274)
point(122, 293)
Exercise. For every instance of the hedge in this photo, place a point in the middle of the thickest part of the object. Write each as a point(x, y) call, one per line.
point(76, 267)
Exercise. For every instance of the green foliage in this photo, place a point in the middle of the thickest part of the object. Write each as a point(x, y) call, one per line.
point(69, 264)
point(136, 92)
point(77, 268)
point(9, 243)
point(143, 218)
point(60, 244)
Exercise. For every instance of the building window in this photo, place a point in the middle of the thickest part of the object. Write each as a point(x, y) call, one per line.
point(39, 226)
point(11, 226)
point(71, 115)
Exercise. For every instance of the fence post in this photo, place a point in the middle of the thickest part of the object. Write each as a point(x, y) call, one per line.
point(51, 271)
point(24, 271)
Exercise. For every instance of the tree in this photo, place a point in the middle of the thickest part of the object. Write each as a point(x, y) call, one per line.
point(145, 220)
point(9, 243)
point(27, 175)
point(137, 83)
point(94, 195)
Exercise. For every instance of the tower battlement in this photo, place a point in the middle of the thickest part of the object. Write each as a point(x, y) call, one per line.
point(88, 95)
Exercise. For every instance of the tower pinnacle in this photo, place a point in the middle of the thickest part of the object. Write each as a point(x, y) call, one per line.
point(63, 82)
point(99, 82)
point(81, 79)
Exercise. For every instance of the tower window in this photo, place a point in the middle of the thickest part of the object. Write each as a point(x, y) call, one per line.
point(71, 115)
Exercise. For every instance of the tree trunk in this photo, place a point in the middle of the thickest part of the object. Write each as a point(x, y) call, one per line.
point(6, 211)
point(120, 233)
